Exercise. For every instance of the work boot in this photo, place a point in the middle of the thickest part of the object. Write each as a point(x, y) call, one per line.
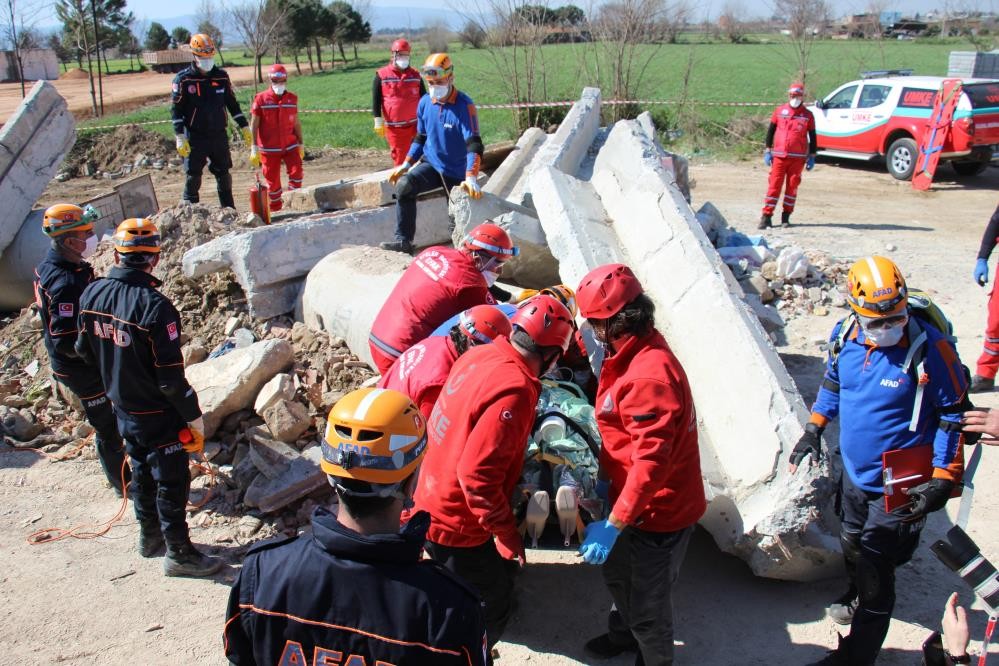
point(981, 384)
point(151, 541)
point(603, 647)
point(766, 221)
point(186, 560)
point(785, 219)
point(838, 657)
point(841, 611)
point(403, 246)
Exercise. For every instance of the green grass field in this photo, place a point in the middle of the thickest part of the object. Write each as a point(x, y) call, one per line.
point(754, 72)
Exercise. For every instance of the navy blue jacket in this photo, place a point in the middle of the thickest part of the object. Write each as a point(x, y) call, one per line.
point(131, 332)
point(200, 102)
point(58, 286)
point(339, 597)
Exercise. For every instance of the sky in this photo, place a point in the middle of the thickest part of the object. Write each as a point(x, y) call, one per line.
point(400, 13)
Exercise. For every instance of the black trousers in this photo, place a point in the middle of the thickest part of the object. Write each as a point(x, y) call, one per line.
point(484, 569)
point(86, 384)
point(875, 542)
point(161, 481)
point(640, 573)
point(421, 178)
point(212, 149)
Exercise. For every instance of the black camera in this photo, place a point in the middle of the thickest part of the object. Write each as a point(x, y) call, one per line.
point(961, 554)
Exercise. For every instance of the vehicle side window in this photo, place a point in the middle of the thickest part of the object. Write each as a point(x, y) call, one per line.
point(873, 95)
point(842, 99)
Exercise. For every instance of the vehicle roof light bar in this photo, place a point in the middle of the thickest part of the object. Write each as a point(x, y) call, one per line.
point(877, 73)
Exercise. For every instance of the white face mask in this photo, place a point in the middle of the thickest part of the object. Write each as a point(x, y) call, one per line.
point(795, 102)
point(439, 92)
point(278, 88)
point(401, 62)
point(886, 337)
point(205, 64)
point(89, 247)
point(490, 277)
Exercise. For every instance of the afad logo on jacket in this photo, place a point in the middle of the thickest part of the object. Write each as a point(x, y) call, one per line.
point(294, 655)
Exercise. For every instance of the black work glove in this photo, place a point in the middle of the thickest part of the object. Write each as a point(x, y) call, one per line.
point(810, 443)
point(500, 294)
point(929, 497)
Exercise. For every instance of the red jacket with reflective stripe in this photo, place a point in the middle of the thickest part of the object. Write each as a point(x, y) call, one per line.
point(421, 372)
point(277, 120)
point(440, 283)
point(649, 428)
point(477, 437)
point(791, 135)
point(400, 95)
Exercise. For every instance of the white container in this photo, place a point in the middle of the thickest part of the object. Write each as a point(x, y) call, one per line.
point(551, 429)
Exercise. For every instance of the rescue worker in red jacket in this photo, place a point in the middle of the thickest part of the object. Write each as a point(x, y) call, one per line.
point(277, 135)
point(355, 591)
point(650, 467)
point(477, 437)
point(791, 146)
point(420, 373)
point(59, 281)
point(395, 93)
point(440, 282)
point(984, 379)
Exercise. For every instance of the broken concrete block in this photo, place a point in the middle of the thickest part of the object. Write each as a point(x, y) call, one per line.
point(364, 278)
point(280, 387)
point(506, 176)
point(194, 352)
point(676, 165)
point(568, 146)
point(270, 262)
point(756, 284)
point(270, 456)
point(19, 424)
point(287, 420)
point(33, 143)
point(372, 189)
point(302, 476)
point(230, 383)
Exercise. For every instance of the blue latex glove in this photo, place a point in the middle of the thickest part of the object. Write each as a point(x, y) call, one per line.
point(602, 489)
point(768, 159)
point(981, 276)
point(810, 163)
point(598, 541)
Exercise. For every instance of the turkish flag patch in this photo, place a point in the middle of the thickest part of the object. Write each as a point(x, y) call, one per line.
point(506, 415)
point(65, 309)
point(172, 331)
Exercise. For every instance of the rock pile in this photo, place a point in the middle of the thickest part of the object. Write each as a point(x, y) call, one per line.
point(118, 153)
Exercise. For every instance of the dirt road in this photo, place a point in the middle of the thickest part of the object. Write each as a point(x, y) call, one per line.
point(79, 602)
point(121, 91)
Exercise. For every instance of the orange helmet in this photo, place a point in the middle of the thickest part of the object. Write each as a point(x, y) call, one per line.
point(277, 72)
point(606, 289)
point(438, 68)
point(374, 435)
point(565, 295)
point(546, 320)
point(877, 288)
point(137, 234)
point(61, 218)
point(484, 323)
point(400, 46)
point(491, 239)
point(202, 46)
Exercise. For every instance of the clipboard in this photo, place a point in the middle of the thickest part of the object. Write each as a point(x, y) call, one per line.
point(903, 469)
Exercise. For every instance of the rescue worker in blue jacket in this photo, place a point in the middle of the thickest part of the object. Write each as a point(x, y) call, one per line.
point(202, 94)
point(131, 332)
point(447, 140)
point(59, 281)
point(895, 382)
point(355, 590)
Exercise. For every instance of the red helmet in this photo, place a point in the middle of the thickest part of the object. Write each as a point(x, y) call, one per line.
point(546, 320)
point(400, 46)
point(605, 290)
point(796, 89)
point(277, 73)
point(484, 323)
point(491, 239)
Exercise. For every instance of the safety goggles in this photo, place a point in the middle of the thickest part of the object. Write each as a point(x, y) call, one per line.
point(435, 74)
point(883, 307)
point(881, 323)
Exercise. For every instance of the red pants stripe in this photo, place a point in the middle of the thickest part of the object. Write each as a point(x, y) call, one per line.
point(988, 362)
point(399, 139)
point(785, 173)
point(270, 164)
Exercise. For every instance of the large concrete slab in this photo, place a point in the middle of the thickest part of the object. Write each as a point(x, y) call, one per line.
point(509, 172)
point(270, 262)
point(747, 422)
point(33, 143)
point(372, 189)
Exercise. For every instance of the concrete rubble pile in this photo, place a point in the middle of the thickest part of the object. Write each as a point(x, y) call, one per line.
point(611, 194)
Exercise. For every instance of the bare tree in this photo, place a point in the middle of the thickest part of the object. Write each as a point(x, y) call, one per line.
point(437, 33)
point(731, 21)
point(209, 23)
point(674, 18)
point(256, 22)
point(19, 18)
point(805, 21)
point(473, 35)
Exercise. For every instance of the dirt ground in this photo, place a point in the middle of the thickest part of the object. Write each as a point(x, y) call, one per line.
point(121, 91)
point(98, 602)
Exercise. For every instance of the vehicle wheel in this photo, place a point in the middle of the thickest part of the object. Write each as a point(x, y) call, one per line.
point(901, 158)
point(969, 168)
